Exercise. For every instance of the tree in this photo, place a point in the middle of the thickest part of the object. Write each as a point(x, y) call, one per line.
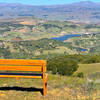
point(62, 66)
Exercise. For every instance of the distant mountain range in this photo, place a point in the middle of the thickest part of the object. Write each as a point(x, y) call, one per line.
point(85, 11)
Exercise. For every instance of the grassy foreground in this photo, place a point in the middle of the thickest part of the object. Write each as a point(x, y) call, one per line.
point(59, 87)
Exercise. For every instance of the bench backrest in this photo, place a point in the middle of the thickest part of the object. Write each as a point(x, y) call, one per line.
point(23, 65)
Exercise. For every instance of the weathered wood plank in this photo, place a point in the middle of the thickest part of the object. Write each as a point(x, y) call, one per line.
point(16, 76)
point(22, 62)
point(21, 68)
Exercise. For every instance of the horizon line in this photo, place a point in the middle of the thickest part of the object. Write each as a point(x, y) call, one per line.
point(47, 4)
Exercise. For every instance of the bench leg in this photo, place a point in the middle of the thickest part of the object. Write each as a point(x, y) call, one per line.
point(45, 86)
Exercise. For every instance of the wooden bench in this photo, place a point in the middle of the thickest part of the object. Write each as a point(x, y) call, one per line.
point(13, 68)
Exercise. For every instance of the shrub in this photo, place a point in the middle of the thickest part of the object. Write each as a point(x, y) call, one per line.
point(80, 75)
point(62, 66)
point(54, 70)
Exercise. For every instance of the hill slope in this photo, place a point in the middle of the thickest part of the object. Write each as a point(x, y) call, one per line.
point(33, 49)
point(85, 11)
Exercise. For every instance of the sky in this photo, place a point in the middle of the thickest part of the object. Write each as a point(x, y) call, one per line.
point(45, 2)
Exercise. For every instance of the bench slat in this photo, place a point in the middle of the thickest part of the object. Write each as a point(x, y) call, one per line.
point(22, 62)
point(22, 68)
point(18, 76)
point(24, 74)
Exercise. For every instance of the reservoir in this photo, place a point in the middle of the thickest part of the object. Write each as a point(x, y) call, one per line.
point(65, 37)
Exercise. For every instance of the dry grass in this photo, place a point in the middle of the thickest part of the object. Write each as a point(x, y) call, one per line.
point(59, 88)
point(88, 68)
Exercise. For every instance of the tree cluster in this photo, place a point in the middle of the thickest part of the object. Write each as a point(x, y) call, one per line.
point(62, 66)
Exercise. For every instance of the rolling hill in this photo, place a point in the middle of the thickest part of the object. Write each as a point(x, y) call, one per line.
point(84, 11)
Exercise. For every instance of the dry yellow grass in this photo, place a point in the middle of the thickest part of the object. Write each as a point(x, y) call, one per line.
point(29, 89)
point(88, 68)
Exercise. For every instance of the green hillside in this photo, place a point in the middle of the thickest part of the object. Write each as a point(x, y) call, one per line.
point(91, 42)
point(34, 48)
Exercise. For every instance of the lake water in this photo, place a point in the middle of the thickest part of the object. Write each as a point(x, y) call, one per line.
point(65, 37)
point(82, 49)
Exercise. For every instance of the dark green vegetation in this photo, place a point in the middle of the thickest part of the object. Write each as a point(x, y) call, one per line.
point(62, 66)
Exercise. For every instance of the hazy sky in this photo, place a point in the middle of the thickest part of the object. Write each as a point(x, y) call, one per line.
point(45, 2)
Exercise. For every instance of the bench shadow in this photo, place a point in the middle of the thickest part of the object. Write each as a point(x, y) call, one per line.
point(16, 88)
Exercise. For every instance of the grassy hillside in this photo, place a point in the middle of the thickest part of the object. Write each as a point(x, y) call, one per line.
point(34, 49)
point(89, 68)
